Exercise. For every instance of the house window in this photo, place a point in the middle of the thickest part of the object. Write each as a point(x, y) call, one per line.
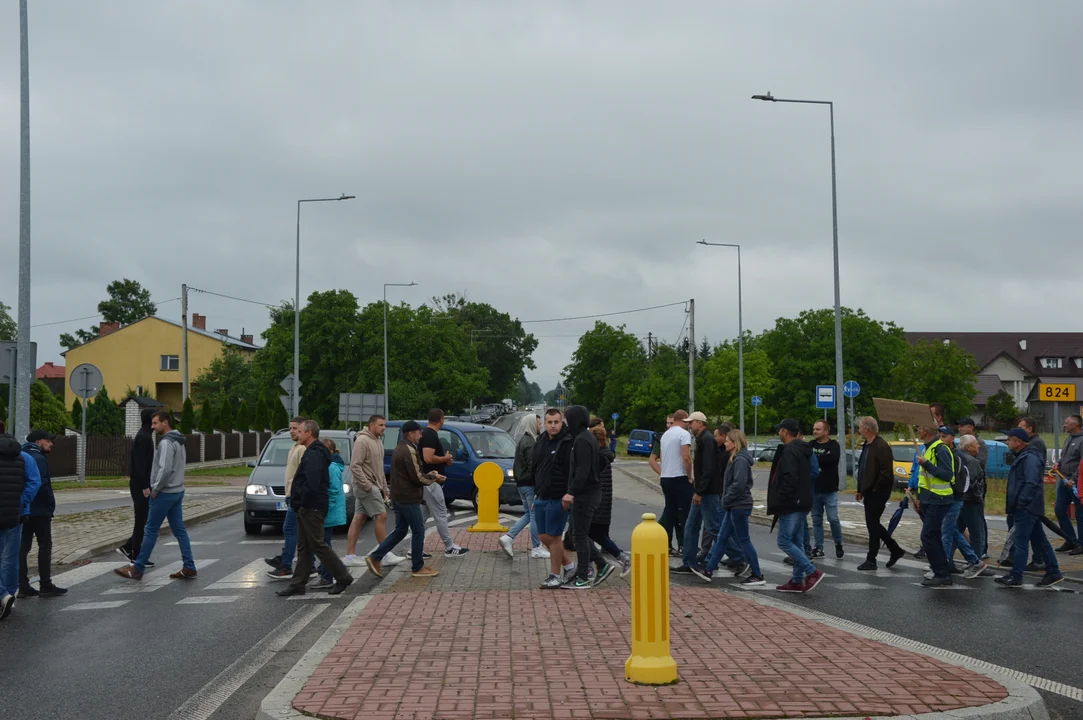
point(170, 362)
point(1078, 362)
point(1052, 363)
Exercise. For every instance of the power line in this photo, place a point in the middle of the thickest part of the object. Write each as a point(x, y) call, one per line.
point(610, 314)
point(231, 297)
point(91, 317)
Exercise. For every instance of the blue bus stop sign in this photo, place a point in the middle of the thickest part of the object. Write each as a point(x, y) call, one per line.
point(615, 416)
point(757, 400)
point(851, 389)
point(825, 397)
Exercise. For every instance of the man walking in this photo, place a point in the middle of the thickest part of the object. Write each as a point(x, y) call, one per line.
point(434, 459)
point(551, 460)
point(309, 500)
point(968, 427)
point(583, 497)
point(142, 458)
point(706, 510)
point(1025, 507)
point(282, 564)
point(789, 498)
point(371, 493)
point(407, 483)
point(19, 483)
point(676, 469)
point(656, 448)
point(953, 536)
point(972, 516)
point(875, 482)
point(39, 443)
point(935, 496)
point(1068, 470)
point(166, 501)
point(825, 492)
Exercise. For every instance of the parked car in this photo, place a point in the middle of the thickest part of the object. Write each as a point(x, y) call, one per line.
point(640, 442)
point(998, 464)
point(511, 423)
point(470, 445)
point(265, 494)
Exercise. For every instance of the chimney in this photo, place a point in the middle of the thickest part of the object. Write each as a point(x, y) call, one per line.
point(1022, 344)
point(107, 327)
point(199, 322)
point(223, 333)
point(247, 339)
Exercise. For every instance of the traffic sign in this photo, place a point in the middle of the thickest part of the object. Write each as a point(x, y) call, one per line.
point(757, 400)
point(825, 397)
point(851, 389)
point(287, 384)
point(1056, 392)
point(615, 416)
point(86, 381)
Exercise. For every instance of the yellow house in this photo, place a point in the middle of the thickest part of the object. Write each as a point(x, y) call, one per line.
point(146, 356)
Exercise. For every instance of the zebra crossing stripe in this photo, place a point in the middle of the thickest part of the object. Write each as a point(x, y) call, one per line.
point(85, 572)
point(208, 599)
point(104, 605)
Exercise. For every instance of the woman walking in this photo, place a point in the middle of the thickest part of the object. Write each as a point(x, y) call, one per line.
point(737, 502)
point(523, 468)
point(599, 528)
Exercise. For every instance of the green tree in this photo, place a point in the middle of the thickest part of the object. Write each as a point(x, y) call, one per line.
point(77, 414)
point(937, 372)
point(663, 389)
point(228, 376)
point(259, 418)
point(224, 421)
point(188, 417)
point(1001, 408)
point(719, 395)
point(128, 302)
point(600, 350)
point(104, 417)
point(9, 329)
point(47, 411)
point(206, 417)
point(243, 420)
point(277, 417)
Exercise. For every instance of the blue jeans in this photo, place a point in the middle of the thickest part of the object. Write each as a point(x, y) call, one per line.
point(791, 530)
point(970, 518)
point(10, 542)
point(1065, 499)
point(1029, 527)
point(830, 503)
point(932, 538)
point(707, 516)
point(167, 506)
point(408, 519)
point(289, 536)
point(527, 518)
point(953, 537)
point(735, 531)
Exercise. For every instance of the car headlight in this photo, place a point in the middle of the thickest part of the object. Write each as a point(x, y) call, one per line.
point(510, 473)
point(255, 490)
point(346, 488)
point(900, 472)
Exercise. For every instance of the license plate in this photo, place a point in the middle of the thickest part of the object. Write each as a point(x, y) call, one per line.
point(281, 505)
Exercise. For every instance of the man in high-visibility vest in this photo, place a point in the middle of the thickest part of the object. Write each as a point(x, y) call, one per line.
point(935, 497)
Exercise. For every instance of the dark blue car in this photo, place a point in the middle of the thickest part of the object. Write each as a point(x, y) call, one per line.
point(470, 445)
point(640, 442)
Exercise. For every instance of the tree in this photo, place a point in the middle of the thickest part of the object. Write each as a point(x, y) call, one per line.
point(9, 329)
point(224, 418)
point(128, 302)
point(47, 411)
point(937, 372)
point(259, 419)
point(206, 417)
point(601, 349)
point(188, 417)
point(243, 420)
point(719, 394)
point(1001, 408)
point(104, 417)
point(77, 414)
point(228, 376)
point(704, 350)
point(277, 417)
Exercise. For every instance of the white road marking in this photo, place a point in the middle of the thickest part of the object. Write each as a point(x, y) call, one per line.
point(199, 542)
point(251, 575)
point(208, 599)
point(855, 586)
point(260, 542)
point(104, 605)
point(86, 572)
point(955, 586)
point(158, 579)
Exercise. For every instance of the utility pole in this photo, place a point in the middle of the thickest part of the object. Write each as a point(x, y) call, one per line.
point(691, 355)
point(184, 342)
point(650, 346)
point(24, 372)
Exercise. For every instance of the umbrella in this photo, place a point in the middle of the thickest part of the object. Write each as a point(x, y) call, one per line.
point(1009, 541)
point(897, 515)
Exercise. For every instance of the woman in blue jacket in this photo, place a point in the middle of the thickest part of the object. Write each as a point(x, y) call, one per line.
point(336, 511)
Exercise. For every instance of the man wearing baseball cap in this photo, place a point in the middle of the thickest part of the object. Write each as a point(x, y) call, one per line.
point(705, 512)
point(1025, 508)
point(39, 443)
point(952, 536)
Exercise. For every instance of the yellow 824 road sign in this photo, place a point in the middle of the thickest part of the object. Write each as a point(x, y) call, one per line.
point(1056, 392)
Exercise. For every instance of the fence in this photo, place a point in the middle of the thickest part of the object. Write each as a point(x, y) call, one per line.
point(111, 456)
point(212, 447)
point(193, 448)
point(249, 441)
point(64, 459)
point(108, 455)
point(233, 446)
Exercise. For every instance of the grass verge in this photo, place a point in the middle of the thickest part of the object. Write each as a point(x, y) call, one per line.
point(101, 483)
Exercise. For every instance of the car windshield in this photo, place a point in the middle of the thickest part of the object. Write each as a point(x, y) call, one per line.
point(639, 435)
point(491, 444)
point(278, 449)
point(902, 453)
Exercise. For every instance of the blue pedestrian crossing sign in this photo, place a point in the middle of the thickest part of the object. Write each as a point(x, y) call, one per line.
point(757, 400)
point(851, 389)
point(825, 397)
point(615, 415)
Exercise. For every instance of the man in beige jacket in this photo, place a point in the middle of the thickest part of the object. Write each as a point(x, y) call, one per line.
point(282, 565)
point(370, 490)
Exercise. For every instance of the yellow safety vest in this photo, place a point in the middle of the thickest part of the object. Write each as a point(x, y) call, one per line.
point(933, 484)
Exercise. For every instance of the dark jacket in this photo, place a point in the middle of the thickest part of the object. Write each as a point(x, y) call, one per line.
point(790, 487)
point(44, 503)
point(407, 481)
point(1025, 491)
point(705, 466)
point(142, 453)
point(975, 476)
point(737, 494)
point(1038, 444)
point(12, 482)
point(1071, 456)
point(523, 465)
point(829, 455)
point(584, 476)
point(604, 514)
point(876, 468)
point(310, 483)
point(551, 456)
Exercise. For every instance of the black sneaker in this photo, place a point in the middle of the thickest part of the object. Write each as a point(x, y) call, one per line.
point(148, 564)
point(788, 560)
point(703, 573)
point(753, 581)
point(839, 551)
point(577, 584)
point(920, 554)
point(1035, 567)
point(866, 566)
point(424, 556)
point(1066, 547)
point(1009, 581)
point(1049, 580)
point(602, 575)
point(338, 587)
point(816, 552)
point(53, 591)
point(280, 573)
point(895, 557)
point(275, 562)
point(456, 551)
point(682, 570)
point(936, 581)
point(27, 591)
point(740, 569)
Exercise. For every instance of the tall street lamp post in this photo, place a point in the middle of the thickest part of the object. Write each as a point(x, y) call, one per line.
point(387, 409)
point(740, 330)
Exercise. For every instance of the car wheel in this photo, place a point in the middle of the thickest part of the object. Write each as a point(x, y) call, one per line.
point(252, 528)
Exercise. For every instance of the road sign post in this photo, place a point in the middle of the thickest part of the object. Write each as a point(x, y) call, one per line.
point(615, 417)
point(292, 398)
point(85, 381)
point(851, 389)
point(756, 402)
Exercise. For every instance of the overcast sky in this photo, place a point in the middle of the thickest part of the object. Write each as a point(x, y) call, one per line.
point(552, 159)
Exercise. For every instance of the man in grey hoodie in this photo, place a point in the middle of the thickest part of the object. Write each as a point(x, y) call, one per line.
point(166, 498)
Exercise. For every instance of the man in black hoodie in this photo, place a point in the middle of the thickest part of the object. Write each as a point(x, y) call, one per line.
point(551, 456)
point(39, 443)
point(789, 499)
point(139, 484)
point(706, 510)
point(583, 496)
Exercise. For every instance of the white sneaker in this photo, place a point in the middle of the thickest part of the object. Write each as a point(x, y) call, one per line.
point(392, 559)
point(353, 561)
point(505, 545)
point(540, 552)
point(975, 570)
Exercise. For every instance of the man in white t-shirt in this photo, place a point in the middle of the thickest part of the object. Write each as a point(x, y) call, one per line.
point(676, 477)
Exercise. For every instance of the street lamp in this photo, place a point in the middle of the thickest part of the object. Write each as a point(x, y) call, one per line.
point(387, 410)
point(835, 227)
point(297, 304)
point(740, 329)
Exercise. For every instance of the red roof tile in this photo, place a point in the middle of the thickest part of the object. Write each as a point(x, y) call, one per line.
point(49, 371)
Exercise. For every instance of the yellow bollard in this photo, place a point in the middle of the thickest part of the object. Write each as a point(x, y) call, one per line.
point(650, 662)
point(487, 479)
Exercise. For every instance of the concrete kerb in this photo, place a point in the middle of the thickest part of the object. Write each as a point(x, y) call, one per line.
point(848, 536)
point(118, 539)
